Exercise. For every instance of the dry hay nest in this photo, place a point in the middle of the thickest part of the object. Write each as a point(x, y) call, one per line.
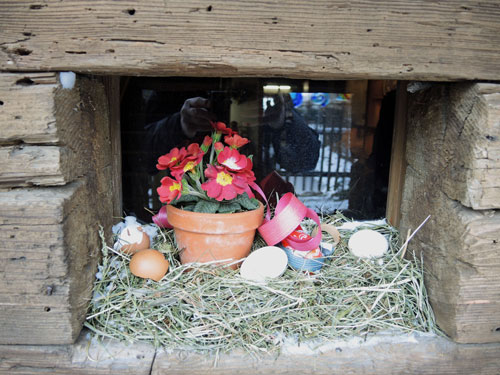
point(214, 309)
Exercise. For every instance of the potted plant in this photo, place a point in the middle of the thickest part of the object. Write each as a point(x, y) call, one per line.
point(209, 197)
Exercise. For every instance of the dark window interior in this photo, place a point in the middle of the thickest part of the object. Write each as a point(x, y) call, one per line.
point(333, 143)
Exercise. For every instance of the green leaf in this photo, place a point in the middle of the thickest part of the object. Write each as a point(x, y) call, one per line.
point(185, 198)
point(246, 202)
point(228, 208)
point(188, 207)
point(209, 207)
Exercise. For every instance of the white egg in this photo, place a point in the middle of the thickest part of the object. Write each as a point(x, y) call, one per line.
point(368, 243)
point(266, 262)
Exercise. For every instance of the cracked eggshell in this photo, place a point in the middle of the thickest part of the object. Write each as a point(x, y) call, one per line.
point(132, 239)
point(149, 264)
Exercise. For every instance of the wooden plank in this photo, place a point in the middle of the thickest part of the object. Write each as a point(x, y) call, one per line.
point(35, 261)
point(73, 121)
point(49, 248)
point(27, 110)
point(447, 146)
point(32, 165)
point(112, 86)
point(38, 111)
point(49, 236)
point(461, 249)
point(455, 135)
point(297, 39)
point(398, 161)
point(380, 354)
point(383, 354)
point(84, 357)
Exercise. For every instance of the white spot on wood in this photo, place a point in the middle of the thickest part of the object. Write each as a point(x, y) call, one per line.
point(67, 80)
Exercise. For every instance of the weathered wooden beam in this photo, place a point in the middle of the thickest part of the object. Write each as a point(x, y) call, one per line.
point(46, 131)
point(398, 160)
point(461, 250)
point(383, 354)
point(112, 85)
point(319, 40)
point(446, 149)
point(27, 112)
point(49, 235)
point(84, 357)
point(49, 247)
point(455, 137)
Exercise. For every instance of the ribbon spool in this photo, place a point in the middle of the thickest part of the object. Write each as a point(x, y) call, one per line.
point(288, 215)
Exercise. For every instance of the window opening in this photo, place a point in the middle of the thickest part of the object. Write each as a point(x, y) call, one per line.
point(330, 139)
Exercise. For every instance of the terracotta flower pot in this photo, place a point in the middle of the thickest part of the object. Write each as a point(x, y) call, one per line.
point(207, 237)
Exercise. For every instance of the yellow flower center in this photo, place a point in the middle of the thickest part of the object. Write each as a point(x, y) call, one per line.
point(189, 166)
point(175, 186)
point(173, 159)
point(224, 179)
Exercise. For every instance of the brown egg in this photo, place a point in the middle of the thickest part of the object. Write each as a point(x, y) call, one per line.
point(149, 264)
point(132, 239)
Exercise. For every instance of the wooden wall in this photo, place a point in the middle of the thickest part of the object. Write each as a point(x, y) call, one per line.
point(56, 151)
point(404, 39)
point(55, 191)
point(453, 174)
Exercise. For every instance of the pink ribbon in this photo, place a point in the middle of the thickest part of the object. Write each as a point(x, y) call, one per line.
point(160, 218)
point(288, 215)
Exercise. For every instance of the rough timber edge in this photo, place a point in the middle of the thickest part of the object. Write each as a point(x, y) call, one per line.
point(382, 353)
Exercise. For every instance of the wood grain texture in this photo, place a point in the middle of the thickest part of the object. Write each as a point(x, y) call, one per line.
point(48, 257)
point(112, 86)
point(42, 129)
point(461, 249)
point(49, 235)
point(383, 354)
point(319, 40)
point(398, 160)
point(36, 257)
point(85, 357)
point(27, 110)
point(455, 137)
point(48, 131)
point(460, 245)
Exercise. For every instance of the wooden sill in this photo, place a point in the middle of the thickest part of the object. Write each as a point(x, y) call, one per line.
point(379, 354)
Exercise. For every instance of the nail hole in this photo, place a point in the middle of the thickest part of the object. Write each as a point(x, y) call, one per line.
point(497, 329)
point(24, 82)
point(37, 6)
point(131, 11)
point(209, 8)
point(1, 102)
point(47, 309)
point(22, 51)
